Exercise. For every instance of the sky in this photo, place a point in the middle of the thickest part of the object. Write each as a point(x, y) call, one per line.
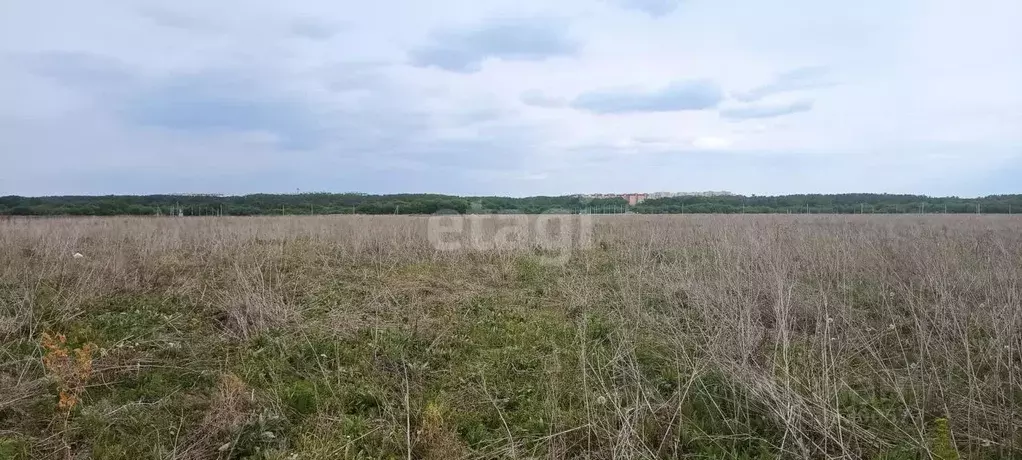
point(511, 97)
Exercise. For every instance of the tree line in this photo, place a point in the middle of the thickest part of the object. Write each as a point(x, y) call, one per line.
point(290, 204)
point(359, 203)
point(846, 203)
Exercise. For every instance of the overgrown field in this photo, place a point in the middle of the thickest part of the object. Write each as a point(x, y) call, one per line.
point(880, 337)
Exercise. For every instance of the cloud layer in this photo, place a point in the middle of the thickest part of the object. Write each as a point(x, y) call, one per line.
point(803, 78)
point(766, 110)
point(464, 49)
point(520, 97)
point(689, 95)
point(655, 8)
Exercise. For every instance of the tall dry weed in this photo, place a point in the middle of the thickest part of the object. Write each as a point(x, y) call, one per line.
point(799, 336)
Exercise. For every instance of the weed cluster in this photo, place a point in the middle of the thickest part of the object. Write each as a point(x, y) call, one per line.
point(882, 337)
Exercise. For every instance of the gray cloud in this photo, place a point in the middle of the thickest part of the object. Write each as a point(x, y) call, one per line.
point(82, 70)
point(537, 98)
point(688, 95)
point(799, 79)
point(175, 19)
point(766, 111)
point(352, 75)
point(214, 101)
point(465, 49)
point(239, 131)
point(481, 153)
point(314, 29)
point(479, 115)
point(223, 101)
point(655, 8)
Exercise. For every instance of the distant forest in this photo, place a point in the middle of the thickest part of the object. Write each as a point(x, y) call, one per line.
point(357, 203)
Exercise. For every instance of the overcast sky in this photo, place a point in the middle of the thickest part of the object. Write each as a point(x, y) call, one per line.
point(515, 97)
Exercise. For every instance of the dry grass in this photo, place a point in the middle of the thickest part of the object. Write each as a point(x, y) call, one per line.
point(667, 336)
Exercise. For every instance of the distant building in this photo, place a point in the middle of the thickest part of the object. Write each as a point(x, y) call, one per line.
point(636, 198)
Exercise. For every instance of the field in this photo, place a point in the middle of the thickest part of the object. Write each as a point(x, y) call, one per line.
point(880, 337)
